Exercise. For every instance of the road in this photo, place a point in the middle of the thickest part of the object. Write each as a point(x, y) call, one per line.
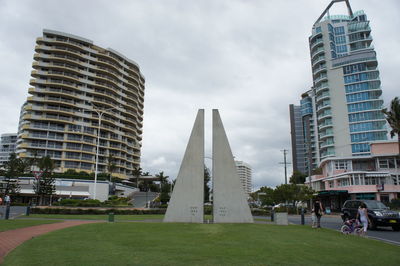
point(14, 211)
point(335, 222)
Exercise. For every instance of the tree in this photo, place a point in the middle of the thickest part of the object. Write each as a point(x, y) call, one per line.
point(207, 178)
point(264, 195)
point(393, 118)
point(12, 171)
point(284, 193)
point(44, 186)
point(165, 187)
point(137, 172)
point(111, 165)
point(297, 178)
point(292, 193)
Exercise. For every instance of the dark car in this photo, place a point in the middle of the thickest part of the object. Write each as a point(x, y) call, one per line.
point(378, 213)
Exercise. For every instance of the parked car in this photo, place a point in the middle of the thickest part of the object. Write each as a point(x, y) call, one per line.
point(378, 213)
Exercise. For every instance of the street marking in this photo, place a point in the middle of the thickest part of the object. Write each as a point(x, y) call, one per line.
point(385, 240)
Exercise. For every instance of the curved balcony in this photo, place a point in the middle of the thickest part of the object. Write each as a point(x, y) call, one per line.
point(318, 60)
point(324, 135)
point(324, 115)
point(318, 51)
point(319, 42)
point(322, 77)
point(325, 125)
point(321, 68)
point(323, 95)
point(329, 142)
point(321, 87)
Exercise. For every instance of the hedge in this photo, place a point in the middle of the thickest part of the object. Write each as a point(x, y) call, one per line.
point(95, 211)
point(35, 210)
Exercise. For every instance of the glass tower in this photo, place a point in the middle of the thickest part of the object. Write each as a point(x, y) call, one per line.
point(345, 101)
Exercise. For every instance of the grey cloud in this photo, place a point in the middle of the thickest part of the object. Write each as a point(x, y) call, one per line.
point(250, 59)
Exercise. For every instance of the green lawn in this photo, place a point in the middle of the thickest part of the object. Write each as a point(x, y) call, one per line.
point(97, 217)
point(201, 244)
point(14, 224)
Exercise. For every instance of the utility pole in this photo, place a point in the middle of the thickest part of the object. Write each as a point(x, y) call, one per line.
point(285, 163)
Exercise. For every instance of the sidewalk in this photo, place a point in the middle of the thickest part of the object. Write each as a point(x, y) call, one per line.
point(13, 238)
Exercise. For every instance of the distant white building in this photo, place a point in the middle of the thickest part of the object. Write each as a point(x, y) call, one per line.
point(244, 172)
point(7, 146)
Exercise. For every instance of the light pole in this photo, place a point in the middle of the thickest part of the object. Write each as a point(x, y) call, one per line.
point(100, 113)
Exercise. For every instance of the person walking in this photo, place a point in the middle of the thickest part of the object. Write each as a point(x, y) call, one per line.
point(7, 200)
point(317, 212)
point(362, 215)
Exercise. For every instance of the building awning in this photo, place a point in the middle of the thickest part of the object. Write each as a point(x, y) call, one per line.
point(331, 192)
point(58, 192)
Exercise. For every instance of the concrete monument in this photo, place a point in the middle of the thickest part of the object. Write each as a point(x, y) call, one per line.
point(187, 200)
point(229, 198)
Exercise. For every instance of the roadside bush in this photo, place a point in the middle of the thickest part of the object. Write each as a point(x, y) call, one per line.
point(260, 212)
point(208, 209)
point(394, 204)
point(95, 211)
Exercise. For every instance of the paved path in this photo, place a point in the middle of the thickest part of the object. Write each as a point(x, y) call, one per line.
point(13, 238)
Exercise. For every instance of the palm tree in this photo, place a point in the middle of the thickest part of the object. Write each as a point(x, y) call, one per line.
point(44, 186)
point(393, 118)
point(111, 165)
point(137, 172)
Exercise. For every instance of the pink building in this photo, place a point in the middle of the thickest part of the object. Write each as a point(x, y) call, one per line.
point(375, 176)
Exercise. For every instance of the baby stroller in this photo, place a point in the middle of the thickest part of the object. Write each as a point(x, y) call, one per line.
point(351, 226)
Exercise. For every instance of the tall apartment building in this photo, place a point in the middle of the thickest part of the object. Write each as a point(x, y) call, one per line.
point(341, 113)
point(7, 146)
point(299, 159)
point(74, 83)
point(244, 172)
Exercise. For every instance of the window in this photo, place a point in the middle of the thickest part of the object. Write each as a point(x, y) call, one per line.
point(341, 49)
point(343, 182)
point(357, 87)
point(330, 28)
point(356, 97)
point(339, 30)
point(360, 147)
point(340, 164)
point(356, 180)
point(366, 116)
point(363, 106)
point(340, 39)
point(318, 29)
point(368, 136)
point(387, 163)
point(354, 68)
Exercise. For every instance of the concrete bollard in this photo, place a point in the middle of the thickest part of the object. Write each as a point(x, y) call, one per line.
point(28, 210)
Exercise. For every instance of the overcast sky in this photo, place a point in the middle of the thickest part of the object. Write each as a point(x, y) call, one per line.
point(249, 59)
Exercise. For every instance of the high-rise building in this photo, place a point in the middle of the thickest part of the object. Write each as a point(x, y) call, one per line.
point(75, 84)
point(7, 146)
point(341, 113)
point(244, 172)
point(297, 136)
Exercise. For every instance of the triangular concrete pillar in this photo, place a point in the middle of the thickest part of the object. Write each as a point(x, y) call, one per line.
point(187, 200)
point(229, 199)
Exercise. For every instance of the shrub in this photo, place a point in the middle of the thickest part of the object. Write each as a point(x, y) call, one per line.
point(394, 204)
point(95, 211)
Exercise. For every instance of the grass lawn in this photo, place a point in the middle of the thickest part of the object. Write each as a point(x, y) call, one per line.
point(14, 224)
point(97, 217)
point(200, 244)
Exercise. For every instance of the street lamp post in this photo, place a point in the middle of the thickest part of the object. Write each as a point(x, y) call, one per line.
point(100, 114)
